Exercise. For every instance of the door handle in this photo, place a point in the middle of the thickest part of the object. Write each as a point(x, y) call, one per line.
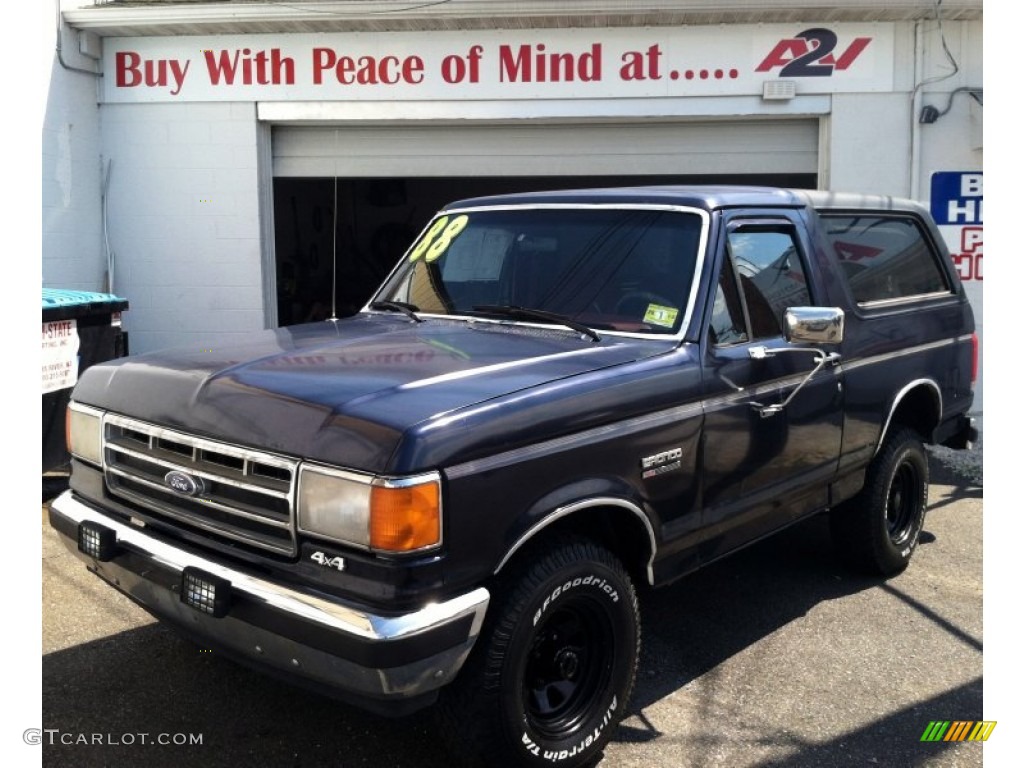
point(821, 359)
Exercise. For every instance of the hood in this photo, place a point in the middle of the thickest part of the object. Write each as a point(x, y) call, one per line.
point(344, 392)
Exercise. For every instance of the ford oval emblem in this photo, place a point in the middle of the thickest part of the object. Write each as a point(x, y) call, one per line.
point(183, 484)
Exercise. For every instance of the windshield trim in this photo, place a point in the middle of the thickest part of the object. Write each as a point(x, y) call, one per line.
point(705, 217)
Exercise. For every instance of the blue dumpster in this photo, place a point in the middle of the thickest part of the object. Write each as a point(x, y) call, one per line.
point(80, 328)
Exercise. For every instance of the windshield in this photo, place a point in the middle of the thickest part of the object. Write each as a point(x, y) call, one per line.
point(608, 268)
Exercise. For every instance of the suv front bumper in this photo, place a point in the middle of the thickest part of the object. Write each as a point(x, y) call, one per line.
point(391, 664)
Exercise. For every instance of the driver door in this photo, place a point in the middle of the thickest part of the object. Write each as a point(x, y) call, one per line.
point(763, 469)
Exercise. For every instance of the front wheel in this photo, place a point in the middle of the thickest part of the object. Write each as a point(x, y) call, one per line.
point(553, 671)
point(878, 530)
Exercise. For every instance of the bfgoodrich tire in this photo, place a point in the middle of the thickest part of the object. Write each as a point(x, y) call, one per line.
point(878, 530)
point(553, 671)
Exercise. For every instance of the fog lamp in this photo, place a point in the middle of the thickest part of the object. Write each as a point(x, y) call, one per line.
point(97, 541)
point(205, 592)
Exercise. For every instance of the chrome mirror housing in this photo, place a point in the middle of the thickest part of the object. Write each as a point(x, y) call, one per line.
point(813, 325)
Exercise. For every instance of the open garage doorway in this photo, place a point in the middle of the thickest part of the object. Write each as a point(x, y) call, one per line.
point(377, 219)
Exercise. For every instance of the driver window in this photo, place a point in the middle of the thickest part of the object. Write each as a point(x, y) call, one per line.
point(771, 276)
point(727, 323)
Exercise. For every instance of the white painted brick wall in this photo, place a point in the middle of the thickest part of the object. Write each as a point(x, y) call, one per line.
point(185, 221)
point(861, 162)
point(72, 237)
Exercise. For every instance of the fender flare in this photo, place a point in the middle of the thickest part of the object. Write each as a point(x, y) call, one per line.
point(566, 510)
point(909, 387)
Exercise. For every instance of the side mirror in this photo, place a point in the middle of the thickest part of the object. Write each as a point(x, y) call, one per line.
point(813, 325)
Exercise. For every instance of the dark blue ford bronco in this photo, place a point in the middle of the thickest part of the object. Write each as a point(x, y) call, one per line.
point(552, 398)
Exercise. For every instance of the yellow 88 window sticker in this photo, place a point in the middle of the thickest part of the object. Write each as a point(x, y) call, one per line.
point(448, 234)
point(437, 239)
point(428, 237)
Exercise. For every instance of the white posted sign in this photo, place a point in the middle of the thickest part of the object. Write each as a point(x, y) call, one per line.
point(60, 355)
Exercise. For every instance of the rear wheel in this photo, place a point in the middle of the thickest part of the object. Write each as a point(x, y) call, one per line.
point(553, 671)
point(878, 530)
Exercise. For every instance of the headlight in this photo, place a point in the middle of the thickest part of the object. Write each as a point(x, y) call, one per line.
point(381, 514)
point(83, 429)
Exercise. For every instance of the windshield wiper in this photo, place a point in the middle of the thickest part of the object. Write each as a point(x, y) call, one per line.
point(409, 310)
point(525, 313)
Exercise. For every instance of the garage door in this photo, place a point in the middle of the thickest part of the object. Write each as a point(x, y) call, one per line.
point(656, 148)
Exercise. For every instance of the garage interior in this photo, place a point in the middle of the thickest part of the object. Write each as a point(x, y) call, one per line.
point(379, 218)
point(390, 179)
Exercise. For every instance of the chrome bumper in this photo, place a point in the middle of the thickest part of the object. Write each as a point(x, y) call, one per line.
point(327, 643)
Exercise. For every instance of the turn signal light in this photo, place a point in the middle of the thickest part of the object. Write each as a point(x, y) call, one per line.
point(405, 519)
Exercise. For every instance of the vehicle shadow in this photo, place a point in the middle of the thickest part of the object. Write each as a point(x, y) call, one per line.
point(692, 627)
point(152, 681)
point(112, 701)
point(732, 604)
point(956, 483)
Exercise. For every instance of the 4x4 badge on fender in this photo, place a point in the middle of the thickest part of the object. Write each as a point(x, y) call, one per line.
point(184, 484)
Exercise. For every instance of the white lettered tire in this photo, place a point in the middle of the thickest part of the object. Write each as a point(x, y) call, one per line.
point(878, 530)
point(553, 671)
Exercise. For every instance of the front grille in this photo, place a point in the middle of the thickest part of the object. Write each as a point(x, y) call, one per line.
point(231, 492)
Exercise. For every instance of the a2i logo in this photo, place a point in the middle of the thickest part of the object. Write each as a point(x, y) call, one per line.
point(812, 53)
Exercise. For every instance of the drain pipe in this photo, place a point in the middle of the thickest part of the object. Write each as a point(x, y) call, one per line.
point(104, 209)
point(915, 109)
point(60, 50)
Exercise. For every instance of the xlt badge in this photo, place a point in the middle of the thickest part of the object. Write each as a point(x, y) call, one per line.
point(660, 463)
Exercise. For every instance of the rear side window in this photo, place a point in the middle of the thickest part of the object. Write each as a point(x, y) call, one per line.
point(885, 258)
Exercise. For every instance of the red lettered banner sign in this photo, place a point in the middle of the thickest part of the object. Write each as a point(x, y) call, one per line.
point(491, 64)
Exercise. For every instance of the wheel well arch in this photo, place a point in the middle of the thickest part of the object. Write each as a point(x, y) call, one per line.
point(918, 406)
point(619, 525)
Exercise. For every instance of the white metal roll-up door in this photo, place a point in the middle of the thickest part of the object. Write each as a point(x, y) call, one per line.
point(655, 148)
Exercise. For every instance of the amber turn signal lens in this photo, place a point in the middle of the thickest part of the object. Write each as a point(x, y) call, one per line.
point(405, 519)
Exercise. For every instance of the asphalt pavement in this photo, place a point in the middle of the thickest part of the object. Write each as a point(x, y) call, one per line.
point(777, 656)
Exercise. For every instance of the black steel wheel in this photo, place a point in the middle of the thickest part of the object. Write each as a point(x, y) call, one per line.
point(567, 666)
point(554, 669)
point(905, 502)
point(878, 530)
